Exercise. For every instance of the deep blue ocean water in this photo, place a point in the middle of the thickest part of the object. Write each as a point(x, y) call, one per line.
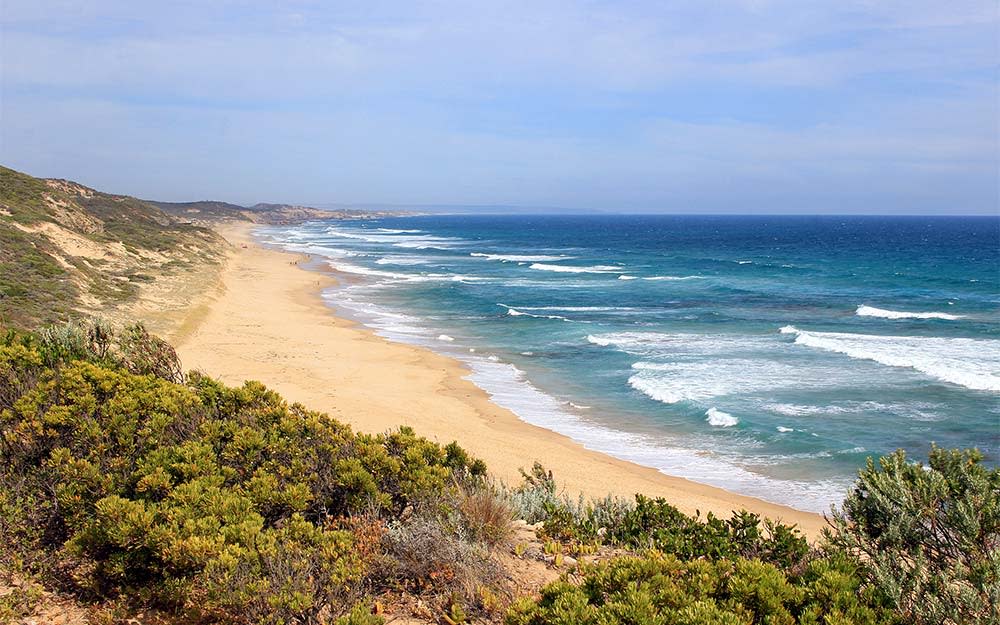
point(766, 355)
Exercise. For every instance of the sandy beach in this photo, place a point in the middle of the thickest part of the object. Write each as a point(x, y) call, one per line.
point(263, 319)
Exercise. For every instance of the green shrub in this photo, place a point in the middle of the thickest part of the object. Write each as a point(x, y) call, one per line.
point(117, 481)
point(660, 589)
point(654, 523)
point(928, 535)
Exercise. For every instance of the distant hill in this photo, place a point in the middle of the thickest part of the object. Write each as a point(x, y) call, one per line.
point(67, 249)
point(209, 211)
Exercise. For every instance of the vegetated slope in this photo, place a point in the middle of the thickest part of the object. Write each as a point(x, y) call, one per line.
point(140, 490)
point(207, 211)
point(66, 248)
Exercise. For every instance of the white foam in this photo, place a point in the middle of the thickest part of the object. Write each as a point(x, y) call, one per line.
point(717, 418)
point(583, 308)
point(399, 231)
point(445, 337)
point(599, 340)
point(652, 388)
point(624, 277)
point(509, 387)
point(744, 262)
point(688, 379)
point(370, 238)
point(513, 312)
point(852, 450)
point(519, 258)
point(569, 269)
point(402, 277)
point(385, 322)
point(364, 271)
point(971, 363)
point(870, 311)
point(417, 241)
point(319, 250)
point(783, 429)
point(418, 245)
point(672, 278)
point(661, 344)
point(917, 411)
point(401, 260)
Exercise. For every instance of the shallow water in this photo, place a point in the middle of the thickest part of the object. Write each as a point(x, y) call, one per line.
point(766, 355)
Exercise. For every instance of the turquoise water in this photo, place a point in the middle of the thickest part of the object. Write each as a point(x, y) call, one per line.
point(766, 355)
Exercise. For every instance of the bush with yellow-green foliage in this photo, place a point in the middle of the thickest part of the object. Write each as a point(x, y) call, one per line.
point(913, 543)
point(213, 502)
point(661, 589)
point(124, 481)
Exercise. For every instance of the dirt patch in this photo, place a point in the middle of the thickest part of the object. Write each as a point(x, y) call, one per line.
point(70, 187)
point(40, 606)
point(72, 243)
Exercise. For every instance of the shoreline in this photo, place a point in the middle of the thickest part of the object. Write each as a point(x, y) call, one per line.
point(264, 319)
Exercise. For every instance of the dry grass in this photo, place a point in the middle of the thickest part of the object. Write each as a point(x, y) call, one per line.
point(487, 516)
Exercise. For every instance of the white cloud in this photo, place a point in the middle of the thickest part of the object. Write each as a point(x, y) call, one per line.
point(475, 102)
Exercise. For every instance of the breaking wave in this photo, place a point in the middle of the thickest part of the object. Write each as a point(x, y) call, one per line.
point(971, 363)
point(717, 418)
point(569, 269)
point(513, 312)
point(870, 311)
point(519, 258)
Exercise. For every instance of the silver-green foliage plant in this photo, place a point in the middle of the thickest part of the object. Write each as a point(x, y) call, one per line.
point(927, 536)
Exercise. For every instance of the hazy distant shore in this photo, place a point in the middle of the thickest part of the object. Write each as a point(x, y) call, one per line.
point(266, 321)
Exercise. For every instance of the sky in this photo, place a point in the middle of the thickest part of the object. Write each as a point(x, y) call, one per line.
point(740, 106)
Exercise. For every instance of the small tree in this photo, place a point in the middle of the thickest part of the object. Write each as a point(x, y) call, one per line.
point(927, 537)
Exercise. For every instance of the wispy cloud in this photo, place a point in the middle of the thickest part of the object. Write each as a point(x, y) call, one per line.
point(760, 105)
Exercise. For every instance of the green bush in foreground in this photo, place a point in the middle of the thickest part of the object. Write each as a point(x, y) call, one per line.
point(911, 544)
point(655, 524)
point(125, 482)
point(206, 500)
point(929, 535)
point(660, 589)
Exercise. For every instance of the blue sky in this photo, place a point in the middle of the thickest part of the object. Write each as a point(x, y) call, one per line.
point(751, 106)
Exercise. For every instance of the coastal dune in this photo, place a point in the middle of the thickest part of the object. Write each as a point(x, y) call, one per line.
point(264, 320)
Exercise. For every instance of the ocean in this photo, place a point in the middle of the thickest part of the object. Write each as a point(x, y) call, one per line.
point(766, 355)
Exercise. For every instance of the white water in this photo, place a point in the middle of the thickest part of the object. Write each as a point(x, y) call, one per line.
point(870, 311)
point(717, 418)
point(971, 363)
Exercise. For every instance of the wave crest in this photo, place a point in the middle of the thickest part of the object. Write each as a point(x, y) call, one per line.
point(971, 363)
point(519, 258)
point(570, 269)
point(871, 311)
point(513, 312)
point(719, 419)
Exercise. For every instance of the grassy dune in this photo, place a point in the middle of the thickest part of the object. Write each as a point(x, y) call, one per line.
point(68, 250)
